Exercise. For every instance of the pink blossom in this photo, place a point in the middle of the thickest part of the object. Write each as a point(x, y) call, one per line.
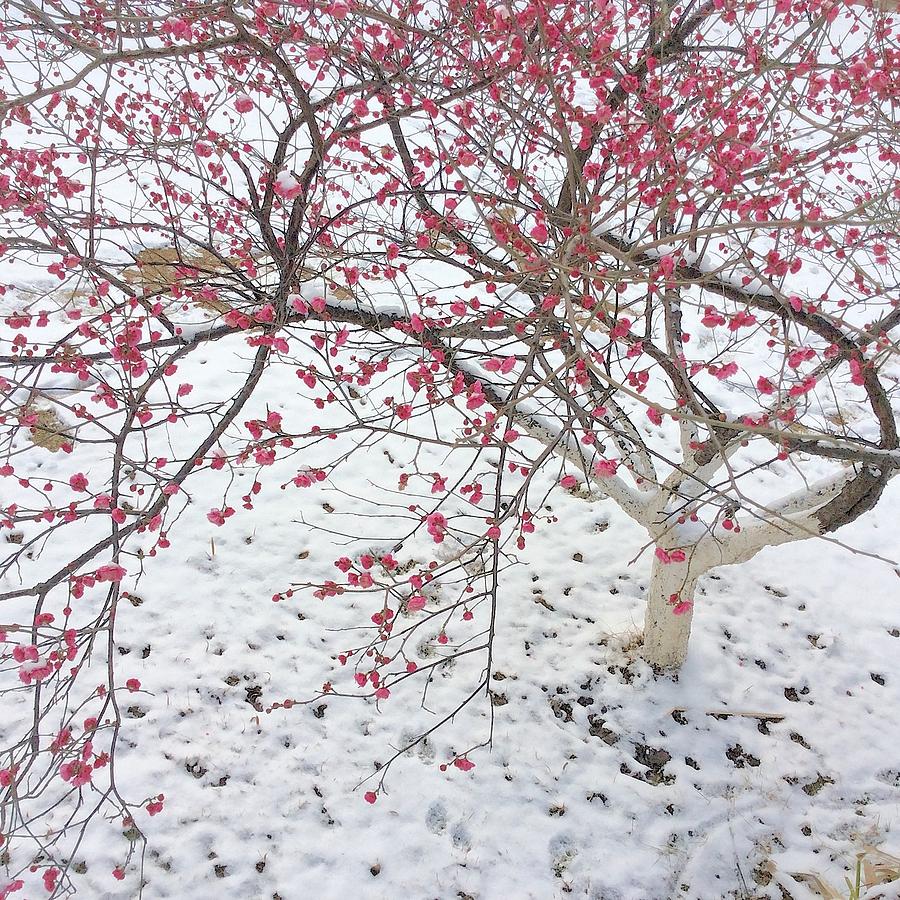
point(218, 516)
point(287, 187)
point(11, 888)
point(669, 556)
point(712, 318)
point(476, 396)
point(110, 572)
point(606, 468)
point(49, 878)
point(436, 525)
point(76, 772)
point(727, 371)
point(265, 313)
point(265, 456)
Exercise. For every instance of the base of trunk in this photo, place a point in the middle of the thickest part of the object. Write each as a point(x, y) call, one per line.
point(667, 622)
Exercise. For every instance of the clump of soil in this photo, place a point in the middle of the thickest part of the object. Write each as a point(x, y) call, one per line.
point(48, 431)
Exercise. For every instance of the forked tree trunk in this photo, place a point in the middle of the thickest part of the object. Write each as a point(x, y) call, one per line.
point(666, 631)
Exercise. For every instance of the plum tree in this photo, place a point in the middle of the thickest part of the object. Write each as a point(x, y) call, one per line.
point(634, 250)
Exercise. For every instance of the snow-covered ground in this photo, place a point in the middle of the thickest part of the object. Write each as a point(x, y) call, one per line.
point(772, 754)
point(603, 781)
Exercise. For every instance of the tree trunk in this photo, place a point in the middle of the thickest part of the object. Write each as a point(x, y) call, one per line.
point(666, 631)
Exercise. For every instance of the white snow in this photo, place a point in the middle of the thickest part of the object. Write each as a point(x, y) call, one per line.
point(773, 752)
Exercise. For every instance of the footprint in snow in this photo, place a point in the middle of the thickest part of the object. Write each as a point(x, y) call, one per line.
point(436, 818)
point(563, 851)
point(460, 837)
